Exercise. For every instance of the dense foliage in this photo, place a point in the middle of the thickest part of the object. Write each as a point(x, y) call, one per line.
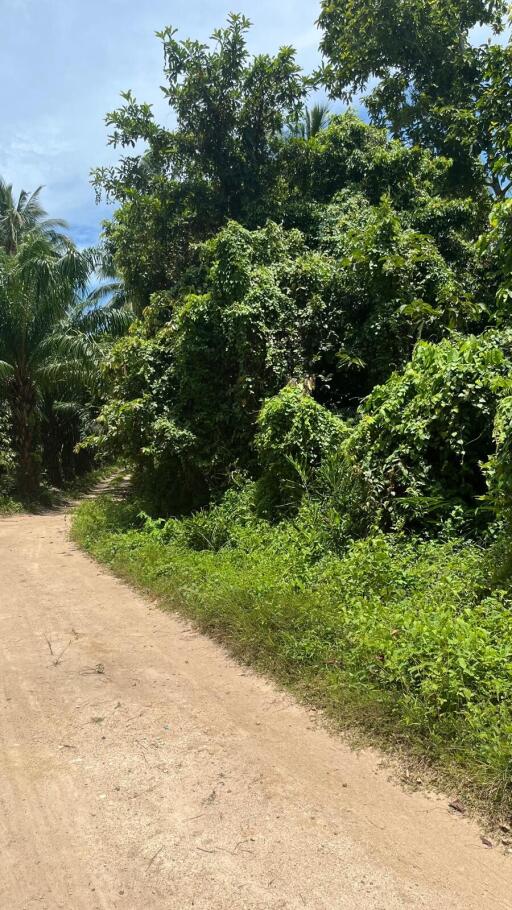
point(51, 336)
point(283, 257)
point(423, 436)
point(385, 255)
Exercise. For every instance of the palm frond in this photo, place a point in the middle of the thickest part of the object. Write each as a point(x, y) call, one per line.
point(24, 216)
point(6, 371)
point(315, 119)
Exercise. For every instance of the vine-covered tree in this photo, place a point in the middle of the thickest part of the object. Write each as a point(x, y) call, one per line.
point(269, 245)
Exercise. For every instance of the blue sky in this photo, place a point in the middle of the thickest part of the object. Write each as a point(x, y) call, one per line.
point(64, 62)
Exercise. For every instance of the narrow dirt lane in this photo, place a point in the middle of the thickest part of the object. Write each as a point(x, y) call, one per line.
point(141, 768)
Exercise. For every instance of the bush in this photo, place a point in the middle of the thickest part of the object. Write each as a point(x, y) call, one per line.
point(294, 435)
point(7, 462)
point(213, 528)
point(424, 434)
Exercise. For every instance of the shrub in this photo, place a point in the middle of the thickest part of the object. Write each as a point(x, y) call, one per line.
point(424, 434)
point(213, 528)
point(7, 461)
point(295, 434)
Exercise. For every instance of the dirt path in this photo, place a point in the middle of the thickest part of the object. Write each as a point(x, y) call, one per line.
point(144, 770)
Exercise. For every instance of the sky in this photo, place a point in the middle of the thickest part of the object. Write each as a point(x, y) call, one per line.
point(64, 63)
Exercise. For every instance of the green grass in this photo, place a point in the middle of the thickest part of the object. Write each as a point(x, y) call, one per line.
point(408, 639)
point(10, 506)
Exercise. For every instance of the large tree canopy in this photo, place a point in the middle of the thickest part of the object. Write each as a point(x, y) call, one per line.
point(221, 161)
point(432, 81)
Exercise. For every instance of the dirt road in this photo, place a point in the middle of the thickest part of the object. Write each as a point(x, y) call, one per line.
point(142, 769)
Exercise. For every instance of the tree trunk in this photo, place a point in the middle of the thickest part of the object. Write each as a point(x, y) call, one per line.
point(23, 407)
point(52, 442)
point(51, 459)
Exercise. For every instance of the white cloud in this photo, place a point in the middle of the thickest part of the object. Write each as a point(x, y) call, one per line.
point(43, 140)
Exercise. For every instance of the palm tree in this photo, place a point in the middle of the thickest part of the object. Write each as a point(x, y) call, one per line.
point(316, 118)
point(23, 216)
point(111, 288)
point(48, 338)
point(79, 346)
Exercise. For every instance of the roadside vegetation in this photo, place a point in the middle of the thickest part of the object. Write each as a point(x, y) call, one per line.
point(406, 638)
point(303, 353)
point(56, 322)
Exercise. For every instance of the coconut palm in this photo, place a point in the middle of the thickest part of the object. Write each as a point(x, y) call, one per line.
point(316, 118)
point(23, 216)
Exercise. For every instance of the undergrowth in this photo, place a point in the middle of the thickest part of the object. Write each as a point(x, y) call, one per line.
point(411, 639)
point(50, 497)
point(10, 506)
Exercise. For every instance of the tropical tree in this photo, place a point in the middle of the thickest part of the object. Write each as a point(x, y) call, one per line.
point(427, 76)
point(69, 408)
point(316, 118)
point(22, 216)
point(46, 338)
point(220, 162)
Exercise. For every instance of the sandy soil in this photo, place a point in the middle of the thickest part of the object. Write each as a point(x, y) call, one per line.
point(142, 768)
